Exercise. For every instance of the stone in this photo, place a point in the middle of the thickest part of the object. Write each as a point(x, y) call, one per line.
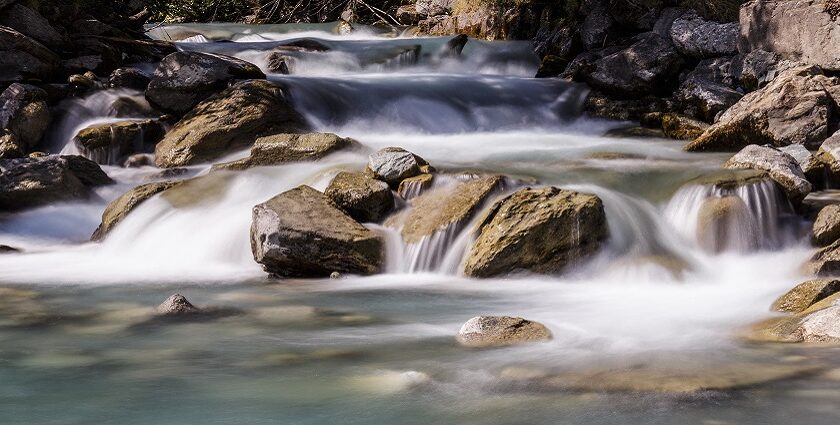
point(283, 148)
point(829, 153)
point(698, 38)
point(825, 262)
point(302, 233)
point(32, 24)
point(24, 59)
point(25, 113)
point(795, 108)
point(183, 79)
point(498, 331)
point(10, 147)
point(365, 199)
point(716, 219)
point(226, 122)
point(597, 29)
point(758, 68)
point(806, 294)
point(649, 65)
point(176, 305)
point(782, 168)
point(537, 230)
point(602, 106)
point(638, 15)
point(675, 126)
point(129, 78)
point(820, 326)
point(33, 182)
point(430, 8)
point(392, 165)
point(278, 62)
point(705, 99)
point(811, 166)
point(113, 143)
point(798, 29)
point(454, 205)
point(119, 209)
point(413, 187)
point(826, 228)
point(140, 160)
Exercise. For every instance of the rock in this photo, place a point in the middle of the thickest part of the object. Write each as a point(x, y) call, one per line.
point(119, 209)
point(129, 78)
point(430, 8)
point(698, 38)
point(649, 65)
point(413, 187)
point(800, 29)
point(278, 62)
point(793, 109)
point(820, 326)
point(827, 226)
point(183, 79)
point(603, 106)
point(705, 99)
point(829, 154)
point(811, 166)
point(279, 149)
point(717, 218)
point(112, 143)
point(140, 160)
point(407, 14)
point(176, 305)
point(497, 331)
point(32, 182)
point(84, 81)
point(223, 123)
point(551, 66)
point(666, 19)
point(806, 294)
point(782, 168)
point(10, 147)
point(302, 233)
point(675, 126)
point(453, 47)
point(24, 58)
point(537, 230)
point(639, 15)
point(365, 199)
point(392, 165)
point(758, 68)
point(6, 249)
point(25, 113)
point(447, 206)
point(32, 24)
point(597, 29)
point(825, 262)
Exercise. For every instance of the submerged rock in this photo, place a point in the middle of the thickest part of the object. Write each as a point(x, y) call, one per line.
point(537, 230)
point(363, 198)
point(717, 218)
point(176, 305)
point(183, 79)
point(826, 228)
point(413, 187)
point(112, 143)
point(119, 209)
point(33, 182)
point(301, 232)
point(279, 149)
point(231, 120)
point(392, 165)
point(806, 294)
point(24, 112)
point(496, 331)
point(782, 168)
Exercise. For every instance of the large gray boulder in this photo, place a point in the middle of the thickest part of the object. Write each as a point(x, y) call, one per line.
point(498, 331)
point(24, 58)
point(362, 197)
point(537, 230)
point(649, 65)
point(119, 208)
point(32, 24)
point(33, 182)
point(226, 122)
point(183, 79)
point(24, 112)
point(392, 165)
point(112, 143)
point(781, 167)
point(802, 29)
point(795, 108)
point(282, 148)
point(698, 38)
point(302, 233)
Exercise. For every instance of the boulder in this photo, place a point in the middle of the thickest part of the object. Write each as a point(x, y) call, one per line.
point(413, 187)
point(446, 206)
point(24, 58)
point(795, 108)
point(32, 24)
point(279, 149)
point(392, 165)
point(705, 99)
point(302, 233)
point(365, 199)
point(718, 217)
point(537, 230)
point(36, 181)
point(798, 29)
point(183, 79)
point(759, 67)
point(598, 28)
point(176, 305)
point(24, 112)
point(119, 209)
point(825, 262)
point(829, 154)
point(226, 122)
point(820, 326)
point(675, 126)
point(782, 168)
point(811, 166)
point(649, 65)
point(10, 146)
point(498, 331)
point(698, 38)
point(129, 78)
point(112, 143)
point(806, 294)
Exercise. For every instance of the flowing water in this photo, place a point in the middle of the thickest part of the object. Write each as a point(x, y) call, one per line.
point(79, 343)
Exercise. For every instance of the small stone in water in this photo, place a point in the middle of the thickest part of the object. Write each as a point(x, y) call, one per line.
point(335, 275)
point(176, 304)
point(494, 331)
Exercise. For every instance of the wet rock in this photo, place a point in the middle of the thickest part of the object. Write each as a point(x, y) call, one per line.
point(496, 331)
point(112, 143)
point(698, 38)
point(223, 123)
point(447, 206)
point(24, 58)
point(365, 199)
point(279, 149)
point(793, 109)
point(176, 305)
point(24, 112)
point(649, 65)
point(825, 262)
point(716, 219)
point(119, 209)
point(537, 230)
point(454, 46)
point(603, 106)
point(392, 165)
point(302, 233)
point(705, 99)
point(85, 81)
point(827, 225)
point(800, 29)
point(6, 249)
point(782, 168)
point(806, 294)
point(129, 78)
point(139, 160)
point(278, 62)
point(32, 182)
point(413, 187)
point(10, 146)
point(634, 132)
point(675, 126)
point(183, 79)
